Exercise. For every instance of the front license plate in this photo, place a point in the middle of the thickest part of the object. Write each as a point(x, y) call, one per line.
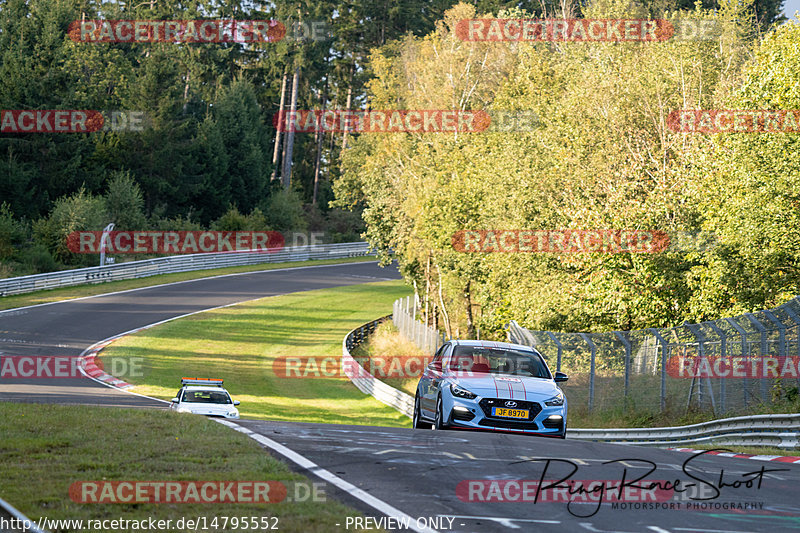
point(509, 413)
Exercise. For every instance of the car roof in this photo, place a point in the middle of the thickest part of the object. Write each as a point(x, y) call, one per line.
point(492, 344)
point(202, 388)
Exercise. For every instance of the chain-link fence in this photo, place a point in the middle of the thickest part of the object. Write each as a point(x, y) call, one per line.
point(723, 365)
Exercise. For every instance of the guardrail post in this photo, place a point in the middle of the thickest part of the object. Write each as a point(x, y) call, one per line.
point(763, 349)
point(558, 348)
point(103, 238)
point(627, 344)
point(664, 351)
point(723, 341)
point(593, 348)
point(743, 335)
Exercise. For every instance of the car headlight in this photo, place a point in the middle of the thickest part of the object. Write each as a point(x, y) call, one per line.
point(460, 392)
point(556, 400)
point(233, 413)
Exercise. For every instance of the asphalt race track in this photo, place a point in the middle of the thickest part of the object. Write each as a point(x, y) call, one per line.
point(67, 328)
point(425, 474)
point(420, 472)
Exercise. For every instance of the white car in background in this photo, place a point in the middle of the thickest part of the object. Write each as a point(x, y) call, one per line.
point(204, 396)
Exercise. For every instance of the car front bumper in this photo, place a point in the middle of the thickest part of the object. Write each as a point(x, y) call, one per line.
point(476, 414)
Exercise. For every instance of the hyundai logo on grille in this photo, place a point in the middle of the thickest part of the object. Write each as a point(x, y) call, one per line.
point(511, 404)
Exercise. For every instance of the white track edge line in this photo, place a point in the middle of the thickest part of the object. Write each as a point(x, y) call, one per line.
point(15, 513)
point(293, 456)
point(326, 475)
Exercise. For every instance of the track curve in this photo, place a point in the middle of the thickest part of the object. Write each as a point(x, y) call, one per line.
point(67, 328)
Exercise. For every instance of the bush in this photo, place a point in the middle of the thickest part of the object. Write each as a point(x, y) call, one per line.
point(79, 212)
point(124, 202)
point(37, 260)
point(12, 232)
point(284, 212)
point(176, 224)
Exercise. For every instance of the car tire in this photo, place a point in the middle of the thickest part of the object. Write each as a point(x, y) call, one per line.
point(417, 421)
point(563, 433)
point(440, 423)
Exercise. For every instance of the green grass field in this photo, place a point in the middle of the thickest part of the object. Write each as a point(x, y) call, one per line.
point(46, 448)
point(241, 343)
point(68, 293)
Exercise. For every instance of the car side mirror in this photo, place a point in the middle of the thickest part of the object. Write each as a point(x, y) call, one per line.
point(436, 365)
point(174, 400)
point(236, 402)
point(560, 377)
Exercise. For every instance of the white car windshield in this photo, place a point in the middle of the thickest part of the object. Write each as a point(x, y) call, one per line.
point(205, 396)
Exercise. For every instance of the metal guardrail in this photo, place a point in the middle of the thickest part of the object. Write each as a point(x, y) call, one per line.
point(775, 430)
point(175, 264)
point(363, 380)
point(12, 521)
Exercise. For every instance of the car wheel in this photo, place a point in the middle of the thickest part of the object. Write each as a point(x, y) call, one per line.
point(418, 423)
point(564, 433)
point(440, 422)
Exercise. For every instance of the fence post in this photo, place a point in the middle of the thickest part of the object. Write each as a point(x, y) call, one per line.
point(701, 348)
point(782, 349)
point(743, 335)
point(723, 342)
point(788, 309)
point(558, 348)
point(664, 352)
point(763, 345)
point(627, 344)
point(593, 348)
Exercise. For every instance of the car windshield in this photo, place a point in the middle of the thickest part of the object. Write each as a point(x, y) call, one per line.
point(479, 359)
point(206, 396)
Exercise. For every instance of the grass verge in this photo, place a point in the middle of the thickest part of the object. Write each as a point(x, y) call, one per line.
point(46, 448)
point(68, 293)
point(242, 343)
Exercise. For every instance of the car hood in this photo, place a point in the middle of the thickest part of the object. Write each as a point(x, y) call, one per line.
point(507, 387)
point(209, 408)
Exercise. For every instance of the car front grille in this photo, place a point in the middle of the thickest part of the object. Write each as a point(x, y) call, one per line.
point(533, 409)
point(507, 424)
